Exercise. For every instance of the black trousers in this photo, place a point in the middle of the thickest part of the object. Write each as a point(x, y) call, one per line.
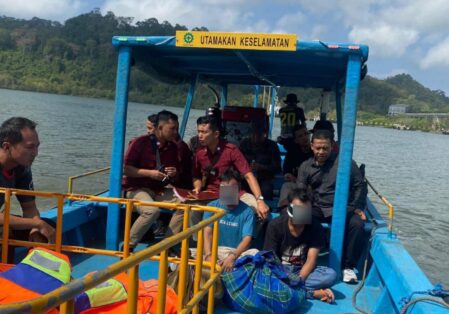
point(354, 238)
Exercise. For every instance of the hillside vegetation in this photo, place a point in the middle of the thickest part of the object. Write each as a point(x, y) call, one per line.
point(77, 58)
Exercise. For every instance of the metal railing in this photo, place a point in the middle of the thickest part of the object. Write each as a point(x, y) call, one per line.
point(71, 179)
point(388, 204)
point(64, 296)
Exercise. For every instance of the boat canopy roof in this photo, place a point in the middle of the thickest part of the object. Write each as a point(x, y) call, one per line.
point(313, 64)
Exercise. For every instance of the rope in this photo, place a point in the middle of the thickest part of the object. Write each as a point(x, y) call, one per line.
point(437, 291)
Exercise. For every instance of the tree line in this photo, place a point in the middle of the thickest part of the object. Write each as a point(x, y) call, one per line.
point(77, 58)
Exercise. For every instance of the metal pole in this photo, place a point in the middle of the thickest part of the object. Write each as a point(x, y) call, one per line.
point(338, 109)
point(256, 95)
point(189, 101)
point(272, 112)
point(344, 163)
point(118, 144)
point(224, 95)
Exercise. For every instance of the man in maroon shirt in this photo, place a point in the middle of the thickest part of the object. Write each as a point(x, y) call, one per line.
point(214, 157)
point(151, 162)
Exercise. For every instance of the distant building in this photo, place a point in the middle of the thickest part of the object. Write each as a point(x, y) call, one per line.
point(397, 109)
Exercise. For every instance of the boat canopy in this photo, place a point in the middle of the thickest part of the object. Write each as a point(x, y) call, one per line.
point(314, 64)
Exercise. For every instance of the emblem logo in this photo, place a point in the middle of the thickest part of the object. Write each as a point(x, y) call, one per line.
point(188, 38)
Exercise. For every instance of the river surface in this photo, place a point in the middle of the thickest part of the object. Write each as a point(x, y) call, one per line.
point(410, 168)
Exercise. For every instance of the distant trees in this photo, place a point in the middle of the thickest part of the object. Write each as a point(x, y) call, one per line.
point(77, 58)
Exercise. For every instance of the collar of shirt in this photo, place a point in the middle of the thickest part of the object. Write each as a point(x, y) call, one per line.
point(329, 161)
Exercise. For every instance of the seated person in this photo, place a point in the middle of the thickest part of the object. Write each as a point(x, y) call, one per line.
point(151, 162)
point(296, 238)
point(327, 125)
point(298, 150)
point(151, 121)
point(319, 175)
point(291, 115)
point(263, 156)
point(214, 112)
point(215, 156)
point(19, 143)
point(236, 227)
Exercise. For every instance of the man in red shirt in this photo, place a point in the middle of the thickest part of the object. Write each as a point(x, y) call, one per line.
point(214, 157)
point(151, 162)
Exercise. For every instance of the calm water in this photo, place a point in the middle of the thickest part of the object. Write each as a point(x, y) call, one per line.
point(410, 168)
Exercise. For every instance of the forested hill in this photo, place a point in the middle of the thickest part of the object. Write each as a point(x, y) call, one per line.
point(77, 58)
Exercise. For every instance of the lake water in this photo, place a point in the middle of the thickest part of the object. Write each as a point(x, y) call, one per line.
point(410, 168)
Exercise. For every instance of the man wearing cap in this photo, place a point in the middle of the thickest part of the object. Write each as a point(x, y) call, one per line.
point(296, 238)
point(290, 115)
point(263, 156)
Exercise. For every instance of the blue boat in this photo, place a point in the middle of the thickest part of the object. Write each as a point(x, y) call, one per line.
point(90, 227)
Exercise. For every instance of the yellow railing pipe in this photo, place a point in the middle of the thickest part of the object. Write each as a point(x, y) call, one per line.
point(6, 213)
point(72, 178)
point(388, 204)
point(162, 283)
point(69, 291)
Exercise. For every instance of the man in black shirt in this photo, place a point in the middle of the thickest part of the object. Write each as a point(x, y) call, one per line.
point(290, 115)
point(296, 238)
point(319, 175)
point(19, 145)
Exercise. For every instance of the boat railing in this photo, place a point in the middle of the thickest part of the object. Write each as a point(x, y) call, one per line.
point(388, 204)
point(64, 296)
point(72, 179)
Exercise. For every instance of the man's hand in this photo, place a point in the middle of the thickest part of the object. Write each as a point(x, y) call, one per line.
point(196, 190)
point(42, 230)
point(288, 177)
point(157, 175)
point(228, 263)
point(361, 213)
point(262, 209)
point(170, 171)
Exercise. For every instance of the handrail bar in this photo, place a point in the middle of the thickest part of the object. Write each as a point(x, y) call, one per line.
point(388, 204)
point(89, 173)
point(72, 289)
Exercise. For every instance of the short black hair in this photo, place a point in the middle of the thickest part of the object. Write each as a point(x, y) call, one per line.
point(298, 127)
point(230, 174)
point(11, 129)
point(300, 194)
point(211, 120)
point(323, 135)
point(152, 118)
point(165, 116)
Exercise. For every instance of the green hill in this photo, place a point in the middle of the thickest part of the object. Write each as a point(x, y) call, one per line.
point(77, 58)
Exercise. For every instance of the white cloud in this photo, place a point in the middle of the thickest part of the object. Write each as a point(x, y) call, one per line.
point(437, 56)
point(384, 40)
point(290, 23)
point(59, 10)
point(390, 73)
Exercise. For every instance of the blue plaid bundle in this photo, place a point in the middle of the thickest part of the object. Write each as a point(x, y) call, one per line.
point(258, 284)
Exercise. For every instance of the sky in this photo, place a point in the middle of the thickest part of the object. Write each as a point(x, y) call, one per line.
point(404, 36)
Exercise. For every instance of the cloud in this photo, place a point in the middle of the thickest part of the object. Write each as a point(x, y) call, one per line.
point(437, 56)
point(384, 40)
point(59, 10)
point(290, 23)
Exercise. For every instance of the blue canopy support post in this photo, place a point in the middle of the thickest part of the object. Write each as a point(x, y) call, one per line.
point(344, 163)
point(272, 111)
point(256, 96)
point(224, 95)
point(118, 143)
point(189, 101)
point(338, 109)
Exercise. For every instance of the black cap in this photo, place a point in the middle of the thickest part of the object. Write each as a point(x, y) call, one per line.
point(291, 98)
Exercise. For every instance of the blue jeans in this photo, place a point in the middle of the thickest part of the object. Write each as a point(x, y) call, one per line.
point(321, 277)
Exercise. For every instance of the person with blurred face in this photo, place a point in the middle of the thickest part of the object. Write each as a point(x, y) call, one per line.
point(319, 174)
point(215, 156)
point(296, 238)
point(151, 162)
point(263, 156)
point(19, 145)
point(236, 226)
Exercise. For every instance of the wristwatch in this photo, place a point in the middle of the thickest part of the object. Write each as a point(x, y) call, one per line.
point(260, 198)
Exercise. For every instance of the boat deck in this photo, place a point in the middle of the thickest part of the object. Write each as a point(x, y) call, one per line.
point(83, 264)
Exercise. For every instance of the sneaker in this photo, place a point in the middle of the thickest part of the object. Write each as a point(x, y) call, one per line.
point(349, 276)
